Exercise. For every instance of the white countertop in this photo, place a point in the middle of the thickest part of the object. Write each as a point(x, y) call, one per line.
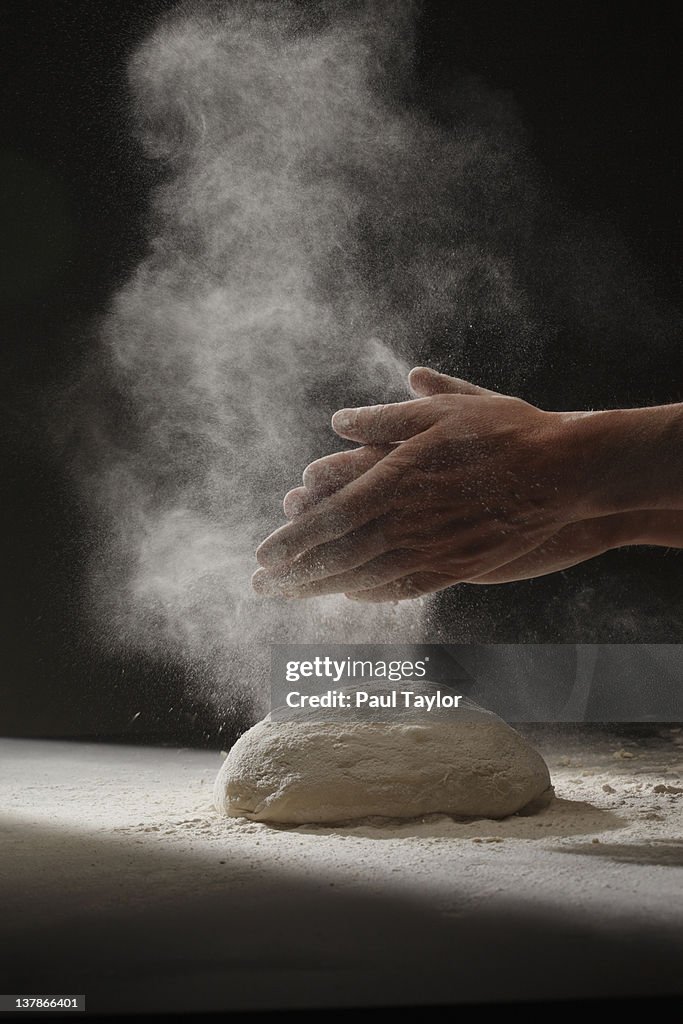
point(118, 880)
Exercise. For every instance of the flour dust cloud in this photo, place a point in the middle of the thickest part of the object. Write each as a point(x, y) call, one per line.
point(312, 233)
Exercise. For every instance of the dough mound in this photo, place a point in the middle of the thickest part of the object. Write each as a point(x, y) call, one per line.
point(468, 763)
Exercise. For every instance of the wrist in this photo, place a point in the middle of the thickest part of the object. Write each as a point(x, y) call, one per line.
point(622, 460)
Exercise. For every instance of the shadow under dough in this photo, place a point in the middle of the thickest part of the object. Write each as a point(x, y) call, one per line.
point(560, 818)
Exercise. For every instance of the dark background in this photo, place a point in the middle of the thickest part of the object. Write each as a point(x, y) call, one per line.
point(598, 86)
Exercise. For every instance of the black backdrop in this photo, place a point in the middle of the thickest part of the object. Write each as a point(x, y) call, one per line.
point(598, 86)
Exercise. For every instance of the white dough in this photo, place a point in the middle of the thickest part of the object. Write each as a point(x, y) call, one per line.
point(466, 763)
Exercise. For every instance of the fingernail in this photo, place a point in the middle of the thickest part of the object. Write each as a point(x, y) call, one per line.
point(259, 581)
point(343, 419)
point(265, 584)
point(272, 554)
point(294, 506)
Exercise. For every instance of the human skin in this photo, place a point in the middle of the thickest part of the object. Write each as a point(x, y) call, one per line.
point(575, 543)
point(466, 485)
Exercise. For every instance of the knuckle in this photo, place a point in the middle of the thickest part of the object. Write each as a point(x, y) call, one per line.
point(377, 419)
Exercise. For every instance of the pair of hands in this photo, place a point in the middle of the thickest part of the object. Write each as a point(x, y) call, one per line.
point(460, 485)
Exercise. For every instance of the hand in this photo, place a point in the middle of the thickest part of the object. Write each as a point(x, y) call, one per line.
point(479, 480)
point(574, 543)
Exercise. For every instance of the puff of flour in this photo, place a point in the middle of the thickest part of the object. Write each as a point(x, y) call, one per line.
point(471, 764)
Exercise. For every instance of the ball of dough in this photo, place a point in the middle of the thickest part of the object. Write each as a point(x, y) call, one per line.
point(307, 770)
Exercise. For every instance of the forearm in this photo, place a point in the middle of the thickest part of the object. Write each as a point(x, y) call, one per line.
point(581, 541)
point(627, 460)
point(658, 528)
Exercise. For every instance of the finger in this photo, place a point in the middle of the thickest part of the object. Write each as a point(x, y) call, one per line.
point(350, 508)
point(405, 589)
point(329, 474)
point(382, 424)
point(325, 476)
point(389, 566)
point(297, 501)
point(424, 382)
point(326, 560)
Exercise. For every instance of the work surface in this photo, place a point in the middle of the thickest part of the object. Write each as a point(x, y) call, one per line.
point(119, 881)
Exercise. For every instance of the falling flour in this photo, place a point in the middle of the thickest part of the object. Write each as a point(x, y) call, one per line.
point(466, 763)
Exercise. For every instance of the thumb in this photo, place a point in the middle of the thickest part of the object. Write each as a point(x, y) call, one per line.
point(384, 424)
point(424, 381)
